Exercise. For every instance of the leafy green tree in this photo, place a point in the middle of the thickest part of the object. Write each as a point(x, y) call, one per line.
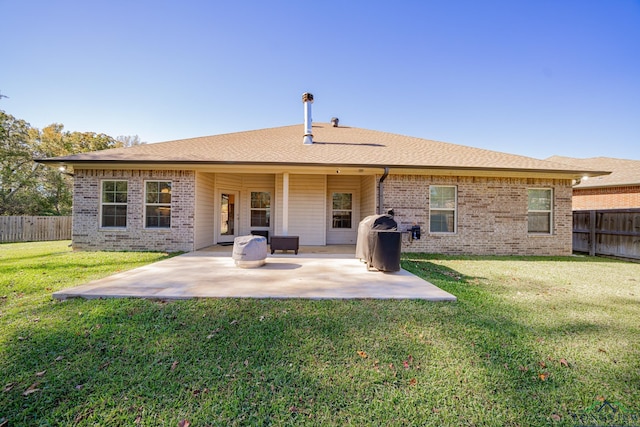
point(53, 141)
point(28, 188)
point(82, 142)
point(56, 187)
point(18, 172)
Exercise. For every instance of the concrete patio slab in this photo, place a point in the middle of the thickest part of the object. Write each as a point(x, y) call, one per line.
point(211, 274)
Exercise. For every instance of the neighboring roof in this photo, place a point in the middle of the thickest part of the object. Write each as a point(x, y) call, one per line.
point(624, 172)
point(333, 146)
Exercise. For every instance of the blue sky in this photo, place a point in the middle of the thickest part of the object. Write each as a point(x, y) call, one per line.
point(535, 78)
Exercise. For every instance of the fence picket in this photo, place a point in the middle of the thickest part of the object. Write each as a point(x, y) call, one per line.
point(614, 232)
point(34, 228)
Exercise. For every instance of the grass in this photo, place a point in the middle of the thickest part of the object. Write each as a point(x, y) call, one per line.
point(530, 341)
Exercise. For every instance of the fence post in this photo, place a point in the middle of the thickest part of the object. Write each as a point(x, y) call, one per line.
point(592, 233)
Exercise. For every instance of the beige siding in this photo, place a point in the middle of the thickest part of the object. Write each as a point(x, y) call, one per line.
point(254, 182)
point(277, 208)
point(205, 210)
point(343, 184)
point(227, 181)
point(208, 188)
point(368, 194)
point(307, 208)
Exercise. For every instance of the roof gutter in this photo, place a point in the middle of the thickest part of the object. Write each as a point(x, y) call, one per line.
point(381, 189)
point(450, 170)
point(71, 161)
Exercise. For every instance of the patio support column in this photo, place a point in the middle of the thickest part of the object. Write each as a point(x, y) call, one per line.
point(285, 204)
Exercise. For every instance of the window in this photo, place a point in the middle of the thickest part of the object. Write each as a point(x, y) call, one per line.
point(157, 211)
point(442, 208)
point(342, 210)
point(260, 209)
point(540, 210)
point(114, 204)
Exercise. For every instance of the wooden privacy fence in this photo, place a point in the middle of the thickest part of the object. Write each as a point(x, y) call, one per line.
point(614, 232)
point(34, 228)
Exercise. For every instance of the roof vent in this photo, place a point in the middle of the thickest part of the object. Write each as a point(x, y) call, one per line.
point(335, 121)
point(307, 100)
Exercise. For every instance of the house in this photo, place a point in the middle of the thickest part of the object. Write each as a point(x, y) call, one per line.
point(620, 190)
point(317, 181)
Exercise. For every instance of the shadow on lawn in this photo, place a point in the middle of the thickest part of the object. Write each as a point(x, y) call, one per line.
point(260, 362)
point(93, 361)
point(576, 258)
point(521, 352)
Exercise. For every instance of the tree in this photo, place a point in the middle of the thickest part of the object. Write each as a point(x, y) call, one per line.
point(53, 141)
point(18, 172)
point(129, 140)
point(56, 188)
point(83, 142)
point(28, 188)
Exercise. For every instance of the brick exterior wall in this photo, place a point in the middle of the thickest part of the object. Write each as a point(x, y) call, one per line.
point(491, 215)
point(87, 234)
point(624, 197)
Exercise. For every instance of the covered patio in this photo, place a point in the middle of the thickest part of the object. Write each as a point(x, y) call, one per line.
point(325, 272)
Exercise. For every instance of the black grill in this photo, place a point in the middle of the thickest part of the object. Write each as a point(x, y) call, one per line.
point(379, 242)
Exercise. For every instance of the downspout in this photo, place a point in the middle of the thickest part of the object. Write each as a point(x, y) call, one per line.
point(381, 189)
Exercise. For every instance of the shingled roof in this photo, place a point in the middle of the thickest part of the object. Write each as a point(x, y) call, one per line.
point(623, 172)
point(341, 146)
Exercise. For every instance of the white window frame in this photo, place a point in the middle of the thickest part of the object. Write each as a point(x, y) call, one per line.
point(549, 211)
point(342, 210)
point(103, 204)
point(268, 210)
point(454, 210)
point(146, 204)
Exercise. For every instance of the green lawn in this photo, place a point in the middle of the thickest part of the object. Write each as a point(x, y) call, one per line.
point(530, 341)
